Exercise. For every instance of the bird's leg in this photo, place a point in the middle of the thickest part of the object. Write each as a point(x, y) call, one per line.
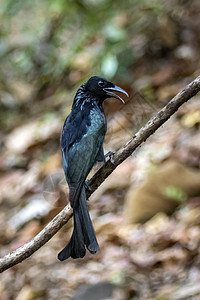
point(87, 186)
point(100, 155)
point(102, 158)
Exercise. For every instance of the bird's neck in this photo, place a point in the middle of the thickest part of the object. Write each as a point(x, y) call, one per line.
point(84, 99)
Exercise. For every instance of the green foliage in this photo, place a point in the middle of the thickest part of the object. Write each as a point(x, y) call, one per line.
point(41, 38)
point(57, 44)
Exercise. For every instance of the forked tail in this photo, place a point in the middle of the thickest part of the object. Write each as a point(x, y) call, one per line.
point(83, 232)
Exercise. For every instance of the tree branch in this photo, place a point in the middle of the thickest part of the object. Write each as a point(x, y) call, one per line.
point(59, 220)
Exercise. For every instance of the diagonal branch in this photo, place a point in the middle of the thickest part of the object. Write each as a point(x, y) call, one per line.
point(59, 220)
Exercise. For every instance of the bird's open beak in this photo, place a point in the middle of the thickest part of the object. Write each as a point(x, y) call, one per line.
point(116, 88)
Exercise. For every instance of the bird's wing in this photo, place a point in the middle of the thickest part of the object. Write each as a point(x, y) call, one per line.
point(79, 146)
point(74, 128)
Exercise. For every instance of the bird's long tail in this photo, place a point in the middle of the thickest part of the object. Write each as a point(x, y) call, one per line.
point(83, 232)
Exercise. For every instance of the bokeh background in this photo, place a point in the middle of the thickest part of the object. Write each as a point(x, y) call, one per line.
point(147, 213)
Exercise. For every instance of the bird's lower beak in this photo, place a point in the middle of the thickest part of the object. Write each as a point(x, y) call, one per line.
point(110, 91)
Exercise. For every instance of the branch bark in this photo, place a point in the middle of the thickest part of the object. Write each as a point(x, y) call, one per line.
point(59, 220)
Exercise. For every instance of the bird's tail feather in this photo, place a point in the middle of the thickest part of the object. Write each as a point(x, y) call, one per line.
point(86, 223)
point(76, 246)
point(83, 233)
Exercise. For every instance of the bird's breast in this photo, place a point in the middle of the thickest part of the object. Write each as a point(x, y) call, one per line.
point(98, 122)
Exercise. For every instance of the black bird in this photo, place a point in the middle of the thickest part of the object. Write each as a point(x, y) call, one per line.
point(82, 146)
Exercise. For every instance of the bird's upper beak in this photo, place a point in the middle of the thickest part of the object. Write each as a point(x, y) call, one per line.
point(110, 91)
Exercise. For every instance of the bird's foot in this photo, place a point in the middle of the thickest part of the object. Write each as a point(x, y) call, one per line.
point(110, 154)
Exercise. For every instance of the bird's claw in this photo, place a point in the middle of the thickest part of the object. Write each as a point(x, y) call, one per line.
point(110, 154)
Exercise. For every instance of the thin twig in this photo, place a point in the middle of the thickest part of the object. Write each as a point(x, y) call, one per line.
point(59, 220)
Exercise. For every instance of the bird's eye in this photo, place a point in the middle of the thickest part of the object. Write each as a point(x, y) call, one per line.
point(101, 83)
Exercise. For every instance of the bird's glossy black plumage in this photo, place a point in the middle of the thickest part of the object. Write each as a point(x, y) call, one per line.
point(82, 145)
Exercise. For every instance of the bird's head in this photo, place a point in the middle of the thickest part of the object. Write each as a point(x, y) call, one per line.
point(102, 88)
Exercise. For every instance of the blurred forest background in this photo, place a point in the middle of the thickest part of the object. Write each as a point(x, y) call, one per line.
point(147, 213)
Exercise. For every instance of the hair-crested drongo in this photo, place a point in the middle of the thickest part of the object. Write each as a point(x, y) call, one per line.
point(82, 146)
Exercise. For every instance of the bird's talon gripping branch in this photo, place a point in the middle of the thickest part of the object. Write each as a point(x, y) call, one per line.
point(110, 155)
